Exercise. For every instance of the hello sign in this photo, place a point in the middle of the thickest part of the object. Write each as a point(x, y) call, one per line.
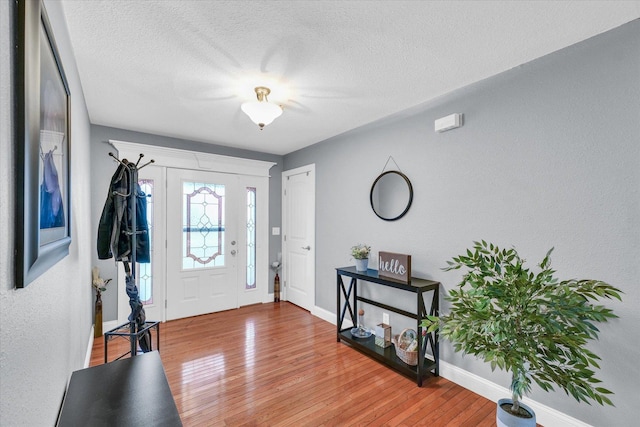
point(394, 266)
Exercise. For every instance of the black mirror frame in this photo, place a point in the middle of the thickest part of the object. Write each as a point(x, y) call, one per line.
point(406, 179)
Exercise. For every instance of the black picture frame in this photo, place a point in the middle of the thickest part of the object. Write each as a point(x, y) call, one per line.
point(43, 149)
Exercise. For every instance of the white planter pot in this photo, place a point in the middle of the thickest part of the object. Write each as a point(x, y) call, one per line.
point(362, 264)
point(505, 419)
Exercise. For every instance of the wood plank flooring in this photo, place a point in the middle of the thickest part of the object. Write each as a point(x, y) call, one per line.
point(277, 365)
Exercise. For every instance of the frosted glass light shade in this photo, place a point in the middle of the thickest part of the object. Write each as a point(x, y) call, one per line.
point(261, 113)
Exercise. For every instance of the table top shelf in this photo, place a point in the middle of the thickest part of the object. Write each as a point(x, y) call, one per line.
point(415, 285)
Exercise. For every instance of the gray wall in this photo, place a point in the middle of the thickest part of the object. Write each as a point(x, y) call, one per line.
point(44, 328)
point(549, 155)
point(103, 166)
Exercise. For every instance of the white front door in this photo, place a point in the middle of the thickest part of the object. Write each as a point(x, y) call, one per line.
point(202, 242)
point(299, 236)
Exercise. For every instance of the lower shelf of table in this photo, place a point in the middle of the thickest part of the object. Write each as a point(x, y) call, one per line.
point(387, 355)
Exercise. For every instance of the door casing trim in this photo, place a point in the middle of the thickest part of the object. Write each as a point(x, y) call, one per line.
point(186, 159)
point(285, 175)
point(166, 157)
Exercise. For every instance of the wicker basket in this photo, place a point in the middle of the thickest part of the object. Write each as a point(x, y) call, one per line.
point(408, 357)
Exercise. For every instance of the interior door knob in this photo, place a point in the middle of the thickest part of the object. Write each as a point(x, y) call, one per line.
point(233, 252)
point(308, 248)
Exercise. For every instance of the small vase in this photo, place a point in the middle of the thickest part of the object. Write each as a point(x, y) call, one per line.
point(362, 264)
point(276, 288)
point(97, 328)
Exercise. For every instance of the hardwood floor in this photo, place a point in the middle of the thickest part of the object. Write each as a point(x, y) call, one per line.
point(277, 365)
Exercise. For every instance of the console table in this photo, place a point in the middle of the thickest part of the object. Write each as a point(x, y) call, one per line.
point(426, 364)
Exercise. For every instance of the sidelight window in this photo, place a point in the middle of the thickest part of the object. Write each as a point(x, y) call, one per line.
point(144, 275)
point(251, 238)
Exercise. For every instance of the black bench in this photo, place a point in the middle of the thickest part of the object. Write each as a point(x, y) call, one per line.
point(127, 392)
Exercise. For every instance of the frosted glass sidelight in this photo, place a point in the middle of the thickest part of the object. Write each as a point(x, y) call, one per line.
point(251, 238)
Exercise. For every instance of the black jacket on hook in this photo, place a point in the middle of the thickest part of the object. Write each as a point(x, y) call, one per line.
point(115, 221)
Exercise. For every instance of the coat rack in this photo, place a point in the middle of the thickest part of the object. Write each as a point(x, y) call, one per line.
point(138, 330)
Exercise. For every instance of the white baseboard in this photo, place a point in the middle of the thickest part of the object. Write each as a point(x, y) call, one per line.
point(323, 314)
point(545, 415)
point(328, 316)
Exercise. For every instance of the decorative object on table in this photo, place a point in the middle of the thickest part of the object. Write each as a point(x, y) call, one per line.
point(100, 285)
point(275, 266)
point(43, 151)
point(508, 315)
point(407, 346)
point(360, 331)
point(383, 335)
point(394, 266)
point(361, 254)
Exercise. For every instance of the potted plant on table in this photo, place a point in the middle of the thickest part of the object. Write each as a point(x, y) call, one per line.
point(361, 254)
point(529, 324)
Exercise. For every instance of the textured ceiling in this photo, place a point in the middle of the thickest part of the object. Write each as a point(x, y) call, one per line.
point(183, 68)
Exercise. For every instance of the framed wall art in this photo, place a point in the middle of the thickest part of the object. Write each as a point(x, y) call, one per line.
point(43, 202)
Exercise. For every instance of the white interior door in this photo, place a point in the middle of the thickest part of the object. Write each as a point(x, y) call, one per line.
point(202, 242)
point(299, 236)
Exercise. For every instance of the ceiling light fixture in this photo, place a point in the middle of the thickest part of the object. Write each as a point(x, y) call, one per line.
point(261, 112)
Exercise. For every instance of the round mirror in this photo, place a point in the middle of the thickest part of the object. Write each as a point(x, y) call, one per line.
point(391, 195)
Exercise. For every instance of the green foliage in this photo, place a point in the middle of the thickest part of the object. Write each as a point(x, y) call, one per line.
point(360, 251)
point(529, 324)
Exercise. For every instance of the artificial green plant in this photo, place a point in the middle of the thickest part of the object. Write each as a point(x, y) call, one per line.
point(529, 324)
point(360, 251)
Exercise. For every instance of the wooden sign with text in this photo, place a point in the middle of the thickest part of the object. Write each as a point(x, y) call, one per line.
point(394, 266)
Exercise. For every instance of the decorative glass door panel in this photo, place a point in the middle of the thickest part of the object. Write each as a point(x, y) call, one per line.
point(251, 238)
point(203, 225)
point(253, 259)
point(145, 271)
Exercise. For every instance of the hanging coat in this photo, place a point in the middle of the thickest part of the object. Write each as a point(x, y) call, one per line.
point(114, 239)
